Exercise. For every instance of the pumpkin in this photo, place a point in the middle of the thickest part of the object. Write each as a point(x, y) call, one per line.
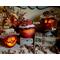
point(10, 41)
point(48, 23)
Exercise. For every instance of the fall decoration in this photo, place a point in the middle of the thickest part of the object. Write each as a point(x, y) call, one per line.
point(48, 21)
point(10, 41)
point(27, 29)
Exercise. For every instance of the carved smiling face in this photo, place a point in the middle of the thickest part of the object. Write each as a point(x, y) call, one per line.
point(10, 41)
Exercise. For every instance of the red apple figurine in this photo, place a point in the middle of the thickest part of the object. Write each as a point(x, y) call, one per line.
point(27, 29)
point(27, 33)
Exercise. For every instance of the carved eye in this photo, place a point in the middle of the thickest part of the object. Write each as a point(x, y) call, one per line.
point(13, 38)
point(50, 21)
point(46, 21)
